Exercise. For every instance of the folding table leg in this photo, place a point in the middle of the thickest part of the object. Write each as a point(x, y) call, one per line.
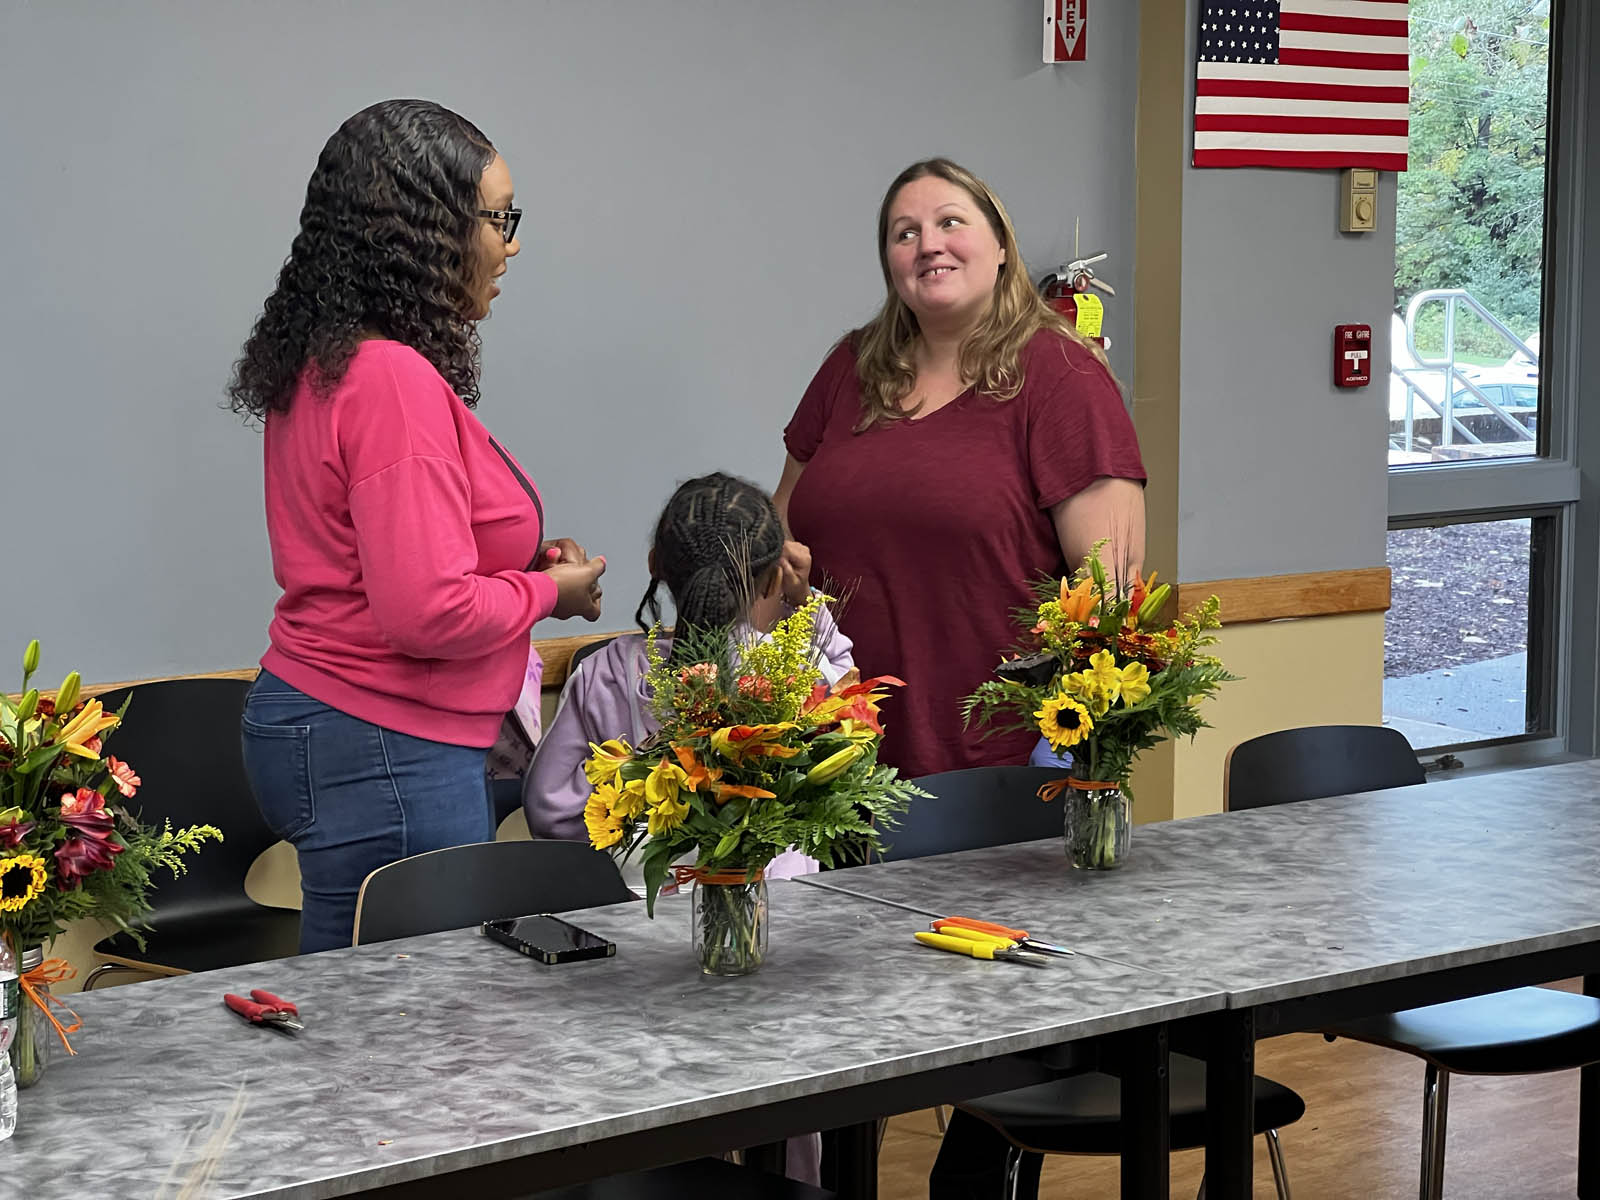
point(850, 1157)
point(1589, 1117)
point(1146, 1125)
point(1230, 1105)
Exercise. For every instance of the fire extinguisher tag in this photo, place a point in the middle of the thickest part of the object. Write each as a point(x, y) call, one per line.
point(1091, 314)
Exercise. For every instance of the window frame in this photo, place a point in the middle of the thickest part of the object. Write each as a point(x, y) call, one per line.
point(1556, 483)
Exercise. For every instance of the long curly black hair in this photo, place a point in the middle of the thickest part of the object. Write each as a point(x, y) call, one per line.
point(386, 247)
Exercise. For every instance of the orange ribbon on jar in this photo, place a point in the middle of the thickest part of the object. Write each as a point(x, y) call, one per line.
point(36, 983)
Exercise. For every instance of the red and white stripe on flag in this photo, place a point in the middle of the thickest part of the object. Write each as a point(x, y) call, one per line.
point(1063, 30)
point(1302, 83)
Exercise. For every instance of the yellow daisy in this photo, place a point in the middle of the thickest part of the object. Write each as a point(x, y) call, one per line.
point(22, 878)
point(1064, 721)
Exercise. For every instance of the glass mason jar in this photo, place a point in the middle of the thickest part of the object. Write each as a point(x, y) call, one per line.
point(730, 920)
point(30, 1052)
point(1098, 817)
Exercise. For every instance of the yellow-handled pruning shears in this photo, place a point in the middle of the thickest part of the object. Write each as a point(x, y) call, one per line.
point(1019, 936)
point(975, 944)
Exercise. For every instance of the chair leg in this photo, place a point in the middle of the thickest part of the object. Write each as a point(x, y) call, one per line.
point(1435, 1111)
point(93, 977)
point(1013, 1172)
point(938, 1116)
point(1280, 1174)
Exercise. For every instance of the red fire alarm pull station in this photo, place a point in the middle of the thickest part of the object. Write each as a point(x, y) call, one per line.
point(1352, 356)
point(1063, 30)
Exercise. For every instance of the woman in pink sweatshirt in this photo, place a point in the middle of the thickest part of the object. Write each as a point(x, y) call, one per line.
point(410, 546)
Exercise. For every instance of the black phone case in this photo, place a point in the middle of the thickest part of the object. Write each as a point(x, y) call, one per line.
point(550, 958)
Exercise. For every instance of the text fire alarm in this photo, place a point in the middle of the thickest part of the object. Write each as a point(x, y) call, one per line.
point(1352, 356)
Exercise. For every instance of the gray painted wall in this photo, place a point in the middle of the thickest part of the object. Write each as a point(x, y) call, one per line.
point(1279, 471)
point(701, 181)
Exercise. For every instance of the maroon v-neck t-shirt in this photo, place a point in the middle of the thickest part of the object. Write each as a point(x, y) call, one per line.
point(942, 524)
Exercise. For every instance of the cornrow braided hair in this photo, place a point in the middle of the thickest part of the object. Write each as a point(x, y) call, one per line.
point(716, 538)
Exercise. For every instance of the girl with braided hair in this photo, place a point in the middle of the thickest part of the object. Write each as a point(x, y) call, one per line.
point(719, 548)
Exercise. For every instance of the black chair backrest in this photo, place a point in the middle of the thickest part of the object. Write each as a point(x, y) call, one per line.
point(585, 650)
point(487, 881)
point(1320, 760)
point(982, 806)
point(181, 737)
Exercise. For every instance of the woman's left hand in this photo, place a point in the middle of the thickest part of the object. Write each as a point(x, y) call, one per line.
point(560, 550)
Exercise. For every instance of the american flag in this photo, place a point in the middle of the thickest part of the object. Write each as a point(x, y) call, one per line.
point(1302, 83)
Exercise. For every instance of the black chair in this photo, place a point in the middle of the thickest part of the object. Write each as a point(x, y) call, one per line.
point(462, 886)
point(182, 738)
point(1078, 1114)
point(466, 885)
point(587, 649)
point(1323, 760)
point(1524, 1031)
point(984, 806)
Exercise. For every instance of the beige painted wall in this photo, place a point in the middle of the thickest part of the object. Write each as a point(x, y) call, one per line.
point(1312, 671)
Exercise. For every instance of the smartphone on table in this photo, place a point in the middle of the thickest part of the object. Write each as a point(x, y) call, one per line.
point(548, 939)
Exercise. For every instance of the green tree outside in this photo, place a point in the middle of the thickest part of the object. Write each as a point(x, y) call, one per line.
point(1471, 206)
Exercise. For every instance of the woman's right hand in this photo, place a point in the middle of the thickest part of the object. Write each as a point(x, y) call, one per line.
point(578, 588)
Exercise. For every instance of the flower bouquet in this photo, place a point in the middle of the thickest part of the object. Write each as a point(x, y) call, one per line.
point(1100, 673)
point(755, 755)
point(69, 846)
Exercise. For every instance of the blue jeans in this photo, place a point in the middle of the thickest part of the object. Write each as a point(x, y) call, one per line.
point(352, 797)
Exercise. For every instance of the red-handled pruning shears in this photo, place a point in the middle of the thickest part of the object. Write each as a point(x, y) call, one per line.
point(263, 1008)
point(1019, 936)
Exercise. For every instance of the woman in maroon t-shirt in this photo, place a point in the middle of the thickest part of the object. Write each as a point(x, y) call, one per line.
point(962, 444)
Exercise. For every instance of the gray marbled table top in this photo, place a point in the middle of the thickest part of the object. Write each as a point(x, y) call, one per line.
point(1276, 903)
point(449, 1051)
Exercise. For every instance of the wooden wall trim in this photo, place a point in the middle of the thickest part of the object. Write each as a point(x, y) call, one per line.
point(1282, 597)
point(556, 652)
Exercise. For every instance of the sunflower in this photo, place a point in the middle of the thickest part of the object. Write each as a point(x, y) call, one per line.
point(1064, 721)
point(603, 827)
point(22, 878)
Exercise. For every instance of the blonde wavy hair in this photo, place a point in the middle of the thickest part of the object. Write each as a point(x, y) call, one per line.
point(885, 347)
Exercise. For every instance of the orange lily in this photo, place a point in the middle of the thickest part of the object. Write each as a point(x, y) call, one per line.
point(855, 700)
point(1136, 598)
point(1077, 602)
point(88, 724)
point(727, 791)
point(738, 742)
point(695, 772)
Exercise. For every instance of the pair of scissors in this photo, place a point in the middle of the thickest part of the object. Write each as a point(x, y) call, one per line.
point(959, 939)
point(1019, 936)
point(263, 1008)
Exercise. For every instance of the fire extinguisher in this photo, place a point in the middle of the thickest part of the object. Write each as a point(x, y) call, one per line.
point(1068, 291)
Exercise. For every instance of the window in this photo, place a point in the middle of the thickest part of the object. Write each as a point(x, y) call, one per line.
point(1483, 485)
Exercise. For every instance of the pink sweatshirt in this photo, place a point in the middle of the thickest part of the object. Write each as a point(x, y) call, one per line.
point(401, 536)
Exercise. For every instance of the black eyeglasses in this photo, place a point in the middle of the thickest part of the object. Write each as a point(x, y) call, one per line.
point(507, 218)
